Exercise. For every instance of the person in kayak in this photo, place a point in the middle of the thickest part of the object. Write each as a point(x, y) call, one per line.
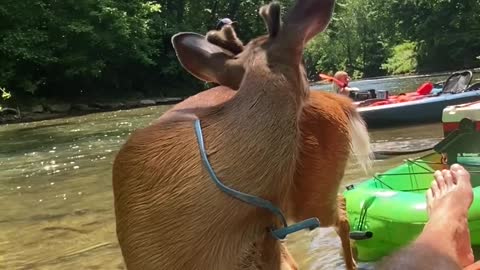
point(340, 85)
point(445, 240)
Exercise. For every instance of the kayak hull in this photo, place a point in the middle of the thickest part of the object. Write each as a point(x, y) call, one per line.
point(392, 206)
point(419, 111)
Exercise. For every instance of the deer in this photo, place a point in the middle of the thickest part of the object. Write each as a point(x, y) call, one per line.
point(169, 214)
point(331, 130)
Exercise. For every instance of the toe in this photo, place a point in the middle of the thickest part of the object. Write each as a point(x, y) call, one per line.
point(440, 180)
point(434, 189)
point(460, 175)
point(429, 200)
point(457, 167)
point(448, 179)
point(456, 170)
point(429, 195)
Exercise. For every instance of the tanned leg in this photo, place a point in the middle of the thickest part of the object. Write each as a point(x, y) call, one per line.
point(445, 240)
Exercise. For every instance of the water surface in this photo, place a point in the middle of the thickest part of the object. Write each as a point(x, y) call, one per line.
point(56, 195)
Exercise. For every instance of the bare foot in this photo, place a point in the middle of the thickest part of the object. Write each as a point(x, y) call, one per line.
point(448, 201)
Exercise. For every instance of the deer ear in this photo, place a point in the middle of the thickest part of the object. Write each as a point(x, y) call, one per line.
point(306, 19)
point(271, 15)
point(202, 59)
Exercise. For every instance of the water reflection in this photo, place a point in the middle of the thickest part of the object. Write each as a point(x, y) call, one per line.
point(55, 190)
point(56, 194)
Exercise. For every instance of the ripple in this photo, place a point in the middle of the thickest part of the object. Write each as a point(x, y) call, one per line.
point(41, 189)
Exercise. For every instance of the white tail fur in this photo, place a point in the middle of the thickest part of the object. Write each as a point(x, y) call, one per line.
point(360, 141)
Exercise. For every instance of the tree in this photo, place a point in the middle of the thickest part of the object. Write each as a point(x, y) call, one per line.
point(86, 47)
point(69, 46)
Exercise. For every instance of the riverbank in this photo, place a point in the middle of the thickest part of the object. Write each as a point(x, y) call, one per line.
point(47, 109)
point(29, 109)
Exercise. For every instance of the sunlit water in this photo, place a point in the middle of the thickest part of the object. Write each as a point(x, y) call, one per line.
point(56, 195)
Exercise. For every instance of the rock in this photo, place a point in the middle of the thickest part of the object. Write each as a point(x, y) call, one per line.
point(8, 111)
point(174, 99)
point(147, 102)
point(82, 107)
point(168, 100)
point(159, 100)
point(8, 118)
point(59, 108)
point(132, 104)
point(37, 108)
point(118, 105)
point(99, 105)
point(109, 106)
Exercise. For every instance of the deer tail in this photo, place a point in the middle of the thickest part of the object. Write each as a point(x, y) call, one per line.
point(360, 140)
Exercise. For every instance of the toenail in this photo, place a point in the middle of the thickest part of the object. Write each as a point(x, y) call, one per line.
point(456, 166)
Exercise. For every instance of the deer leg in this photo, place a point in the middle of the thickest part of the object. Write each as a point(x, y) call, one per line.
point(342, 228)
point(264, 256)
point(288, 263)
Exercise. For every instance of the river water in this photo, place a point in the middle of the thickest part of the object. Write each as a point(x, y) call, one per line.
point(56, 195)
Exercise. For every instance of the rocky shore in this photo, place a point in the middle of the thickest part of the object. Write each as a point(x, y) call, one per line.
point(49, 110)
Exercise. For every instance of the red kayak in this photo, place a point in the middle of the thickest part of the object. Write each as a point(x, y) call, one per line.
point(423, 91)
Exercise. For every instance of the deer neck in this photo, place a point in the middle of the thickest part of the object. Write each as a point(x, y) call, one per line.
point(259, 127)
point(268, 94)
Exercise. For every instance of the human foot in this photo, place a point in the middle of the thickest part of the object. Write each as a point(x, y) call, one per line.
point(448, 201)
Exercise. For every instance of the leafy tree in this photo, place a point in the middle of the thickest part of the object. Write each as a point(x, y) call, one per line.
point(403, 59)
point(88, 47)
point(71, 46)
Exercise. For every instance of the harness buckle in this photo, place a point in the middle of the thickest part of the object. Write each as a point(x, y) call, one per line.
point(279, 234)
point(310, 224)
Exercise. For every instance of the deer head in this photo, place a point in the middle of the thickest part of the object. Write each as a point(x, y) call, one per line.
point(222, 58)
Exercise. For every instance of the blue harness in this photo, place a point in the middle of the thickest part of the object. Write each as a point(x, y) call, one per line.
point(279, 234)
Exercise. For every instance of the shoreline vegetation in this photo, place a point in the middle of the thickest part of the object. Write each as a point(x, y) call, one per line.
point(66, 58)
point(39, 109)
point(48, 109)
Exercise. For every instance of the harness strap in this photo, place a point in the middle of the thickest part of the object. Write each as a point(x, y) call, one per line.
point(279, 234)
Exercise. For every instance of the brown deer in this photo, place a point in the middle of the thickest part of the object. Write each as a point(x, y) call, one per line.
point(169, 214)
point(331, 129)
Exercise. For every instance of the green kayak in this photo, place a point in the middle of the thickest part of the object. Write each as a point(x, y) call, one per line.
point(388, 211)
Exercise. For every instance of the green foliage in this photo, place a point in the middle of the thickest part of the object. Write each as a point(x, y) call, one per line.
point(70, 48)
point(447, 32)
point(364, 33)
point(354, 41)
point(403, 59)
point(54, 45)
point(5, 95)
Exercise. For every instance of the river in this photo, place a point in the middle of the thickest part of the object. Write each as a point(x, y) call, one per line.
point(56, 195)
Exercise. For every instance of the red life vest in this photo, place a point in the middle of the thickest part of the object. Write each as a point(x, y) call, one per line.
point(425, 88)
